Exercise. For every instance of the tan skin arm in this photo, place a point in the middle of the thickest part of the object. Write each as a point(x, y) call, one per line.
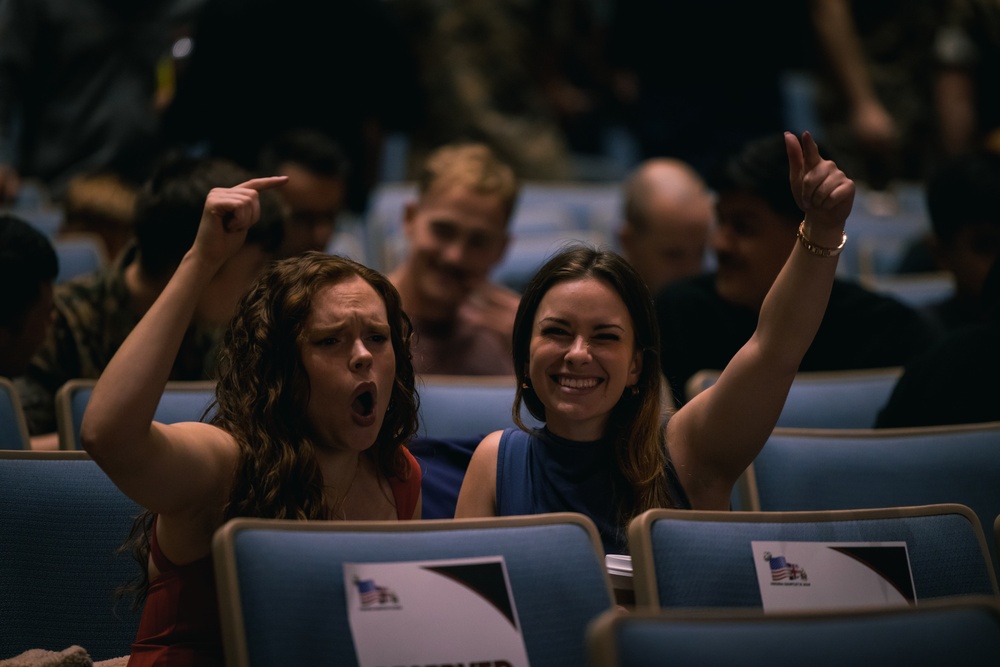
point(478, 495)
point(955, 101)
point(838, 36)
point(714, 437)
point(180, 471)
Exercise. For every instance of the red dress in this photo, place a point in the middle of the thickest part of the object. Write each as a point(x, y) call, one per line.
point(180, 620)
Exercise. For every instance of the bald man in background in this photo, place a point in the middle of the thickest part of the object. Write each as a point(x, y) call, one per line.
point(668, 217)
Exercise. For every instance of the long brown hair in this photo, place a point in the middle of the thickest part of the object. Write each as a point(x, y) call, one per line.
point(263, 390)
point(635, 421)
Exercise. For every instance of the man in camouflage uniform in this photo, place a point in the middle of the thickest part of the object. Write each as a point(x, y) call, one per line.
point(95, 314)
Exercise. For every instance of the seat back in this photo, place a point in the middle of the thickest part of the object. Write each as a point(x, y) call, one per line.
point(283, 600)
point(825, 399)
point(13, 425)
point(824, 469)
point(684, 558)
point(914, 289)
point(527, 253)
point(62, 522)
point(80, 254)
point(181, 401)
point(963, 631)
point(456, 412)
point(466, 406)
point(443, 464)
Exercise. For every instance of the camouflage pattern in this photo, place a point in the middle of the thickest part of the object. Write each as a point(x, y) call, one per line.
point(897, 39)
point(94, 315)
point(478, 65)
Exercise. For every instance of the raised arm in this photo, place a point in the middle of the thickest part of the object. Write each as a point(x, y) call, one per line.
point(167, 468)
point(715, 436)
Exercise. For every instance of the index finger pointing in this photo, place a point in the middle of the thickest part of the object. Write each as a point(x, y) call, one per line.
point(264, 183)
point(810, 151)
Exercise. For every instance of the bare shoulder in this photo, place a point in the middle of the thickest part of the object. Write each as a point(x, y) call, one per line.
point(488, 447)
point(477, 496)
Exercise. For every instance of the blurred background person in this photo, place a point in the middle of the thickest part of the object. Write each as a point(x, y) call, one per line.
point(874, 65)
point(82, 86)
point(967, 47)
point(28, 269)
point(954, 381)
point(101, 203)
point(963, 201)
point(94, 314)
point(706, 319)
point(316, 191)
point(457, 231)
point(668, 216)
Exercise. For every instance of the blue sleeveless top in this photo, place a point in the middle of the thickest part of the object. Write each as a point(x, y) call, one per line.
point(540, 473)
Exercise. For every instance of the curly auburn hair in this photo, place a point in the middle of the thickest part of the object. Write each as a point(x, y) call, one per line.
point(262, 394)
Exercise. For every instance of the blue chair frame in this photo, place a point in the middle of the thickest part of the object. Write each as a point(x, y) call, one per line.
point(466, 406)
point(963, 631)
point(181, 401)
point(827, 469)
point(283, 601)
point(825, 399)
point(13, 424)
point(692, 559)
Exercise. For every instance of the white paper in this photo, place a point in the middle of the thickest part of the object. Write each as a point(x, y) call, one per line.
point(445, 612)
point(832, 575)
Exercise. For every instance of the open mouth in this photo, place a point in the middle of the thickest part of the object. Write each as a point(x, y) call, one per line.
point(364, 404)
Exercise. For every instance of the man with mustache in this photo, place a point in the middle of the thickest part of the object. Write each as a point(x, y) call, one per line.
point(457, 232)
point(705, 320)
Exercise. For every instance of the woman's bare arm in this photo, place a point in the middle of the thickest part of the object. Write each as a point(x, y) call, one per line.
point(715, 436)
point(166, 468)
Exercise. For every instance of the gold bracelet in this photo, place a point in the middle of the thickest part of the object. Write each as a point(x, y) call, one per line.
point(818, 250)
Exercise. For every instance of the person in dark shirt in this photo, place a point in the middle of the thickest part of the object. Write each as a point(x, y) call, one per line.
point(955, 381)
point(706, 319)
point(94, 314)
point(27, 259)
point(963, 200)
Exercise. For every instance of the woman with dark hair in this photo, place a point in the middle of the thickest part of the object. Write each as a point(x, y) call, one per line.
point(315, 355)
point(586, 356)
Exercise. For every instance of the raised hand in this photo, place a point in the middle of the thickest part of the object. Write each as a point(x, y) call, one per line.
point(820, 188)
point(228, 215)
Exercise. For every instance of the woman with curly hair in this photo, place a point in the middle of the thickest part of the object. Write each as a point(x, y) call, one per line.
point(315, 356)
point(586, 357)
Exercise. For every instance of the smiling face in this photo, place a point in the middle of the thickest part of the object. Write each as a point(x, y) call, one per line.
point(751, 243)
point(348, 356)
point(456, 236)
point(582, 357)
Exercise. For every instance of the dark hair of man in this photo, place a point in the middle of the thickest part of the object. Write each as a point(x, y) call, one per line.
point(760, 169)
point(27, 261)
point(311, 149)
point(170, 204)
point(962, 192)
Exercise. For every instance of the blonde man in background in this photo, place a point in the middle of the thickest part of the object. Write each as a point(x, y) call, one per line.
point(457, 231)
